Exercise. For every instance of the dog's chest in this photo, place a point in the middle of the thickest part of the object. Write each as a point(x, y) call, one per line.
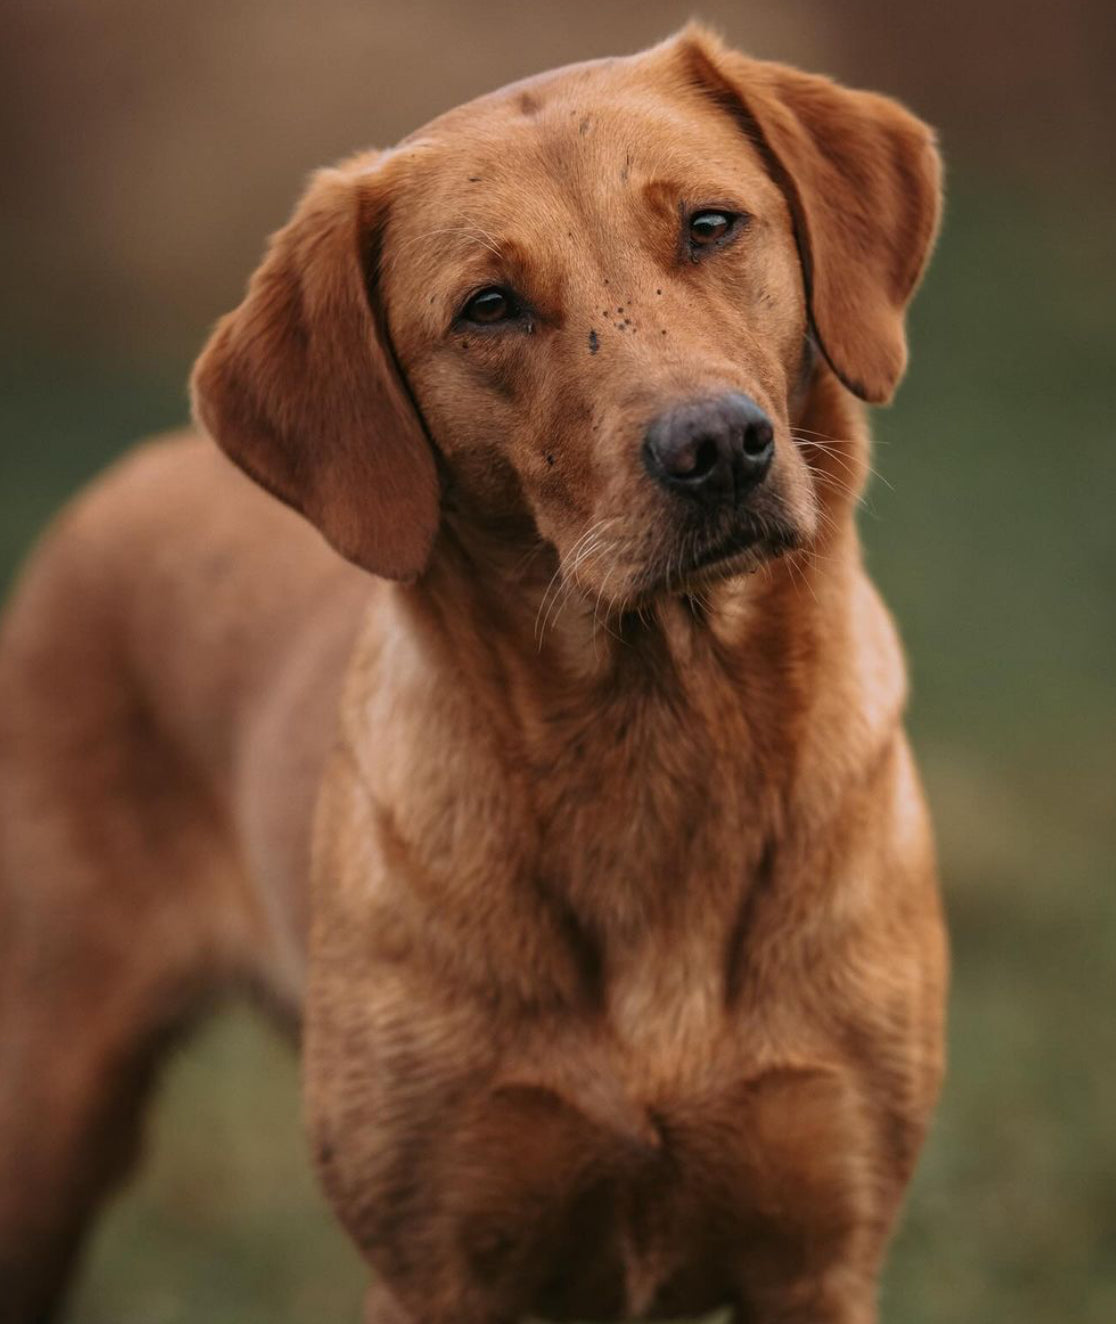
point(664, 1203)
point(608, 1118)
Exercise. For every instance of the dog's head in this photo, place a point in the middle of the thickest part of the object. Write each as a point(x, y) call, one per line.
point(585, 308)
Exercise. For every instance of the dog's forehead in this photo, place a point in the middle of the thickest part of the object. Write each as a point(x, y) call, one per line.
point(584, 133)
point(554, 91)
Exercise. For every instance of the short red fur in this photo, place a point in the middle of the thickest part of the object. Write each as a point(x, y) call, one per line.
point(587, 849)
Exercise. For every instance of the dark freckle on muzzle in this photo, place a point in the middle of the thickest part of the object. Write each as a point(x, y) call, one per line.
point(713, 450)
point(594, 342)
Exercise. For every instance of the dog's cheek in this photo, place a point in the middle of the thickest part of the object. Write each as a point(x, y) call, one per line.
point(780, 304)
point(792, 492)
point(551, 453)
point(485, 486)
point(762, 324)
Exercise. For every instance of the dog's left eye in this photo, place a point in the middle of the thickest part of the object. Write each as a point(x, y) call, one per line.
point(491, 305)
point(711, 228)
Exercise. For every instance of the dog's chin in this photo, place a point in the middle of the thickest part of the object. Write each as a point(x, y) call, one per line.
point(698, 563)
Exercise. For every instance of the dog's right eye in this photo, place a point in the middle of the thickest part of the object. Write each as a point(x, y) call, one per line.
point(491, 305)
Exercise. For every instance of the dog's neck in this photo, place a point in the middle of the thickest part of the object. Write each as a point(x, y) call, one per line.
point(738, 713)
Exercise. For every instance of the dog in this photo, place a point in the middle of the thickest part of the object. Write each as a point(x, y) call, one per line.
point(538, 754)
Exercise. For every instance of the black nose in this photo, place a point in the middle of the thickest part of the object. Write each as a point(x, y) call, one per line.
point(714, 449)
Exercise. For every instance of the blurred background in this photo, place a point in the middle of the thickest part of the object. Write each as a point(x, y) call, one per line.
point(148, 148)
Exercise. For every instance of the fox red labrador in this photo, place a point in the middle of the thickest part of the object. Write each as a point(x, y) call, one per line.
point(549, 772)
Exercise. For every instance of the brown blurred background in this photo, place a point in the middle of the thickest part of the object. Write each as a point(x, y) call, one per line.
point(151, 146)
point(148, 148)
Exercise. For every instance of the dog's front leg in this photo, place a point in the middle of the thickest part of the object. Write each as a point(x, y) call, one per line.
point(839, 1300)
point(381, 1307)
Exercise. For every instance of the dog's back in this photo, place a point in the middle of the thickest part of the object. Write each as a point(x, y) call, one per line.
point(166, 705)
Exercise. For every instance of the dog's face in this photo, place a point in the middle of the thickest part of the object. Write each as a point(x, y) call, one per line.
point(598, 304)
point(599, 297)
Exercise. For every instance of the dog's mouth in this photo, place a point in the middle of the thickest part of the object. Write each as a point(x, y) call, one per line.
point(702, 560)
point(692, 558)
point(744, 542)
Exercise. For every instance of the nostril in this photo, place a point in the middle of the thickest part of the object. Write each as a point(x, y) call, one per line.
point(690, 462)
point(705, 456)
point(758, 437)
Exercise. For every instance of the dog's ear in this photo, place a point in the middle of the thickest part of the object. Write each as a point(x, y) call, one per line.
point(862, 178)
point(300, 388)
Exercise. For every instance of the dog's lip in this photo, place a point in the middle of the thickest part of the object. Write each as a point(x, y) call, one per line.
point(737, 552)
point(741, 551)
point(745, 548)
point(725, 549)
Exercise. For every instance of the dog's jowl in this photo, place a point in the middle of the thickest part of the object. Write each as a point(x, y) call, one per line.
point(539, 750)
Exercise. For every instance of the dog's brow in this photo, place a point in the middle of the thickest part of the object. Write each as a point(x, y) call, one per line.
point(471, 233)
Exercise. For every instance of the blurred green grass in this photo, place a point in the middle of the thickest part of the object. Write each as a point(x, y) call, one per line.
point(991, 532)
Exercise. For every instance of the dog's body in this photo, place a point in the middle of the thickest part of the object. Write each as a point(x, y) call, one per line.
point(623, 975)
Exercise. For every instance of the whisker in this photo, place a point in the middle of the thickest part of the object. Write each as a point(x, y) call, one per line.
point(565, 576)
point(826, 449)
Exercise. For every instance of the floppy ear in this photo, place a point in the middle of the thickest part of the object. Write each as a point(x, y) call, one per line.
point(862, 179)
point(300, 388)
